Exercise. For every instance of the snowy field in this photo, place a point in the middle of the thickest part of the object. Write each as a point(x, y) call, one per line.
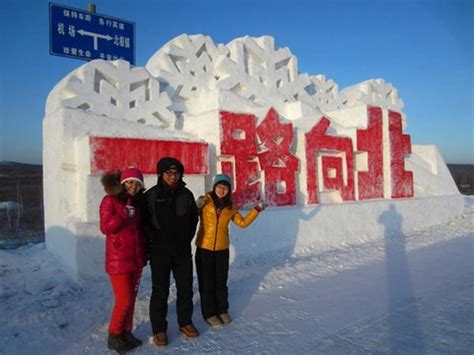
point(401, 294)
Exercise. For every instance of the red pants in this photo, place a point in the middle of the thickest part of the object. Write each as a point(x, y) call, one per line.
point(125, 287)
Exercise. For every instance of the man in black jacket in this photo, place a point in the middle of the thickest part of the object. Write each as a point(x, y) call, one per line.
point(170, 220)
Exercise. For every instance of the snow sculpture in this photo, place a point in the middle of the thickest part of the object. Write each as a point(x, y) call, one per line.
point(243, 108)
point(372, 92)
point(114, 89)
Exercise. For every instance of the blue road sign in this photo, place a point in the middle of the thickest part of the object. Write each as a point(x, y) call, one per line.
point(84, 35)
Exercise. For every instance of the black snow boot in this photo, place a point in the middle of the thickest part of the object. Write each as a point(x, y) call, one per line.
point(118, 343)
point(132, 339)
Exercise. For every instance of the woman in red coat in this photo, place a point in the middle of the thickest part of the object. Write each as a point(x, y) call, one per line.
point(124, 251)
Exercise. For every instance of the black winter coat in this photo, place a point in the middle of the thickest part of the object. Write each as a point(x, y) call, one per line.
point(170, 219)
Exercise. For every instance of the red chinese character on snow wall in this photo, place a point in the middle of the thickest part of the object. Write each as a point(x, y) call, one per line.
point(334, 152)
point(276, 160)
point(330, 159)
point(239, 156)
point(402, 180)
point(370, 182)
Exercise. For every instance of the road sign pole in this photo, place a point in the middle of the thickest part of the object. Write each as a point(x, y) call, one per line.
point(91, 8)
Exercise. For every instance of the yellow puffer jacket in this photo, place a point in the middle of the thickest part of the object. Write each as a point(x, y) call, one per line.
point(213, 232)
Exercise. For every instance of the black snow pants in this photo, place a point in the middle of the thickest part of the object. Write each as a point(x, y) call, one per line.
point(213, 269)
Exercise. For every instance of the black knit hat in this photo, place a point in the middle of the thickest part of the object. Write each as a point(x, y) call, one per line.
point(169, 163)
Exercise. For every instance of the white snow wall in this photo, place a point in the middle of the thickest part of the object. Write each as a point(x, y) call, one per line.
point(182, 95)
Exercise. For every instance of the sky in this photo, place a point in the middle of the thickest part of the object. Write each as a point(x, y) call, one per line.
point(423, 48)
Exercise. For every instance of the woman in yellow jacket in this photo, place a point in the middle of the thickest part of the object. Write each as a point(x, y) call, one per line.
point(212, 252)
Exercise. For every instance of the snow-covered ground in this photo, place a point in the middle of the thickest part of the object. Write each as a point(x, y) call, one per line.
point(401, 294)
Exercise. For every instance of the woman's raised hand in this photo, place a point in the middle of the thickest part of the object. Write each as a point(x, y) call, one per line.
point(260, 206)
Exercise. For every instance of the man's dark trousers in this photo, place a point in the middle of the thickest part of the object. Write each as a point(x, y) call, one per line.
point(162, 265)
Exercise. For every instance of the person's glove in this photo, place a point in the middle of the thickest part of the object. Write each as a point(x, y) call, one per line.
point(130, 209)
point(260, 206)
point(201, 201)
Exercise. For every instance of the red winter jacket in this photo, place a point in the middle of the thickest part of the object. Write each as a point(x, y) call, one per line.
point(124, 243)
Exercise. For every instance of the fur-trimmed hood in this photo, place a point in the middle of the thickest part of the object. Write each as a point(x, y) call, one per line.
point(111, 183)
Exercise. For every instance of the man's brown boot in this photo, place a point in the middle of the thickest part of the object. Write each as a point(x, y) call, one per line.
point(160, 339)
point(189, 330)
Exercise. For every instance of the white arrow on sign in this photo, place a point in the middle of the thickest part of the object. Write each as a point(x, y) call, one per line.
point(96, 36)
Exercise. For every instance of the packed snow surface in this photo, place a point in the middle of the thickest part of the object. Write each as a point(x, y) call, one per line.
point(405, 294)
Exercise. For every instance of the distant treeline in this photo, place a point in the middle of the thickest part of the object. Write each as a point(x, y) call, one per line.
point(463, 175)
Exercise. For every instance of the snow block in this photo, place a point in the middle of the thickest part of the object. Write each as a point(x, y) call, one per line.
point(78, 148)
point(430, 173)
point(324, 227)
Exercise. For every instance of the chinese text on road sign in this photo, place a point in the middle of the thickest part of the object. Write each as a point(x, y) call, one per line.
point(80, 34)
